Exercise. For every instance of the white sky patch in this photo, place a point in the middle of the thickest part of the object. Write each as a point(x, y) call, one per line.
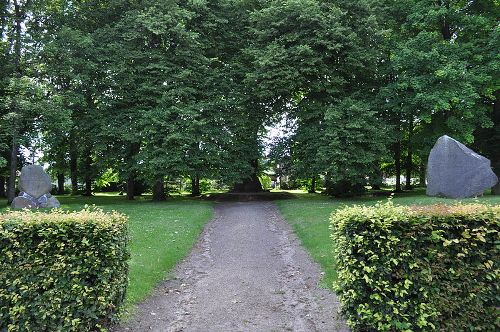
point(284, 128)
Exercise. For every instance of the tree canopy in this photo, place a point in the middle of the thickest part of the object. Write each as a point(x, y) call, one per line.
point(150, 91)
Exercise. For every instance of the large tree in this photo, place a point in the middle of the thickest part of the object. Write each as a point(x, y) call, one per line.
point(317, 60)
point(439, 70)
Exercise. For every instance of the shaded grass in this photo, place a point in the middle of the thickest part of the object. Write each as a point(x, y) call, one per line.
point(161, 235)
point(309, 216)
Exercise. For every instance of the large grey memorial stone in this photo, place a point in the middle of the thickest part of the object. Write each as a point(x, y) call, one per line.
point(35, 186)
point(455, 171)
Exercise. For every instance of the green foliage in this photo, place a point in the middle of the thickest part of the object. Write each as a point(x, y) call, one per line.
point(62, 271)
point(355, 140)
point(418, 268)
point(108, 177)
point(185, 88)
point(161, 234)
point(439, 70)
point(266, 181)
point(319, 65)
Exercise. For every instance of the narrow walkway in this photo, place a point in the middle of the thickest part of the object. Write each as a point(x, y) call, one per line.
point(247, 273)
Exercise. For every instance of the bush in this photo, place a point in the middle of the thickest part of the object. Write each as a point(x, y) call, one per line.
point(266, 182)
point(62, 271)
point(344, 189)
point(418, 269)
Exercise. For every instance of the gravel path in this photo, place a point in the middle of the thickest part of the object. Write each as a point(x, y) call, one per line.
point(246, 273)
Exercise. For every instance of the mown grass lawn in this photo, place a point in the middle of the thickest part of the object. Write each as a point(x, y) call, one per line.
point(161, 234)
point(309, 216)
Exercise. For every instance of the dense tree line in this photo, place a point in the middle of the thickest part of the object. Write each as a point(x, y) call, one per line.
point(156, 90)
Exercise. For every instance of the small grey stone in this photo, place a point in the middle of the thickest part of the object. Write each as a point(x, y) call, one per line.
point(34, 181)
point(455, 171)
point(22, 203)
point(52, 202)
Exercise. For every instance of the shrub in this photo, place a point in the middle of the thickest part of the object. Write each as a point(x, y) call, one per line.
point(344, 188)
point(62, 271)
point(418, 269)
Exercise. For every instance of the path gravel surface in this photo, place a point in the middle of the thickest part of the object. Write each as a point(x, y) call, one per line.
point(247, 272)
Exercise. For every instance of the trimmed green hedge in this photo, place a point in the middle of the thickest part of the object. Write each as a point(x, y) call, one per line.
point(418, 269)
point(62, 271)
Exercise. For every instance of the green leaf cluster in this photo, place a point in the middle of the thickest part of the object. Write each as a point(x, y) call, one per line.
point(62, 271)
point(418, 269)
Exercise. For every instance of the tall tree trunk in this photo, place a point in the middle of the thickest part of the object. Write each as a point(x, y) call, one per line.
point(446, 30)
point(2, 186)
point(131, 181)
point(195, 185)
point(88, 171)
point(73, 166)
point(445, 24)
point(397, 163)
point(60, 183)
point(11, 190)
point(250, 184)
point(495, 157)
point(409, 155)
point(421, 175)
point(377, 179)
point(312, 189)
point(130, 187)
point(88, 186)
point(159, 190)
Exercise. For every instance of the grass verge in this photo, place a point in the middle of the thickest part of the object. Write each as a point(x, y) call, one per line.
point(309, 216)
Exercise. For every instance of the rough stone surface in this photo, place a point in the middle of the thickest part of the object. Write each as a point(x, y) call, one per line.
point(34, 181)
point(455, 171)
point(35, 186)
point(247, 272)
point(52, 202)
point(22, 203)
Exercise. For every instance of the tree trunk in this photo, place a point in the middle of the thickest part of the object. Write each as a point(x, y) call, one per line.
point(312, 189)
point(445, 24)
point(250, 184)
point(88, 186)
point(421, 175)
point(130, 187)
point(397, 163)
point(195, 186)
point(88, 172)
point(446, 30)
point(495, 157)
point(11, 189)
point(60, 183)
point(159, 190)
point(2, 186)
point(409, 155)
point(377, 178)
point(131, 181)
point(73, 164)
